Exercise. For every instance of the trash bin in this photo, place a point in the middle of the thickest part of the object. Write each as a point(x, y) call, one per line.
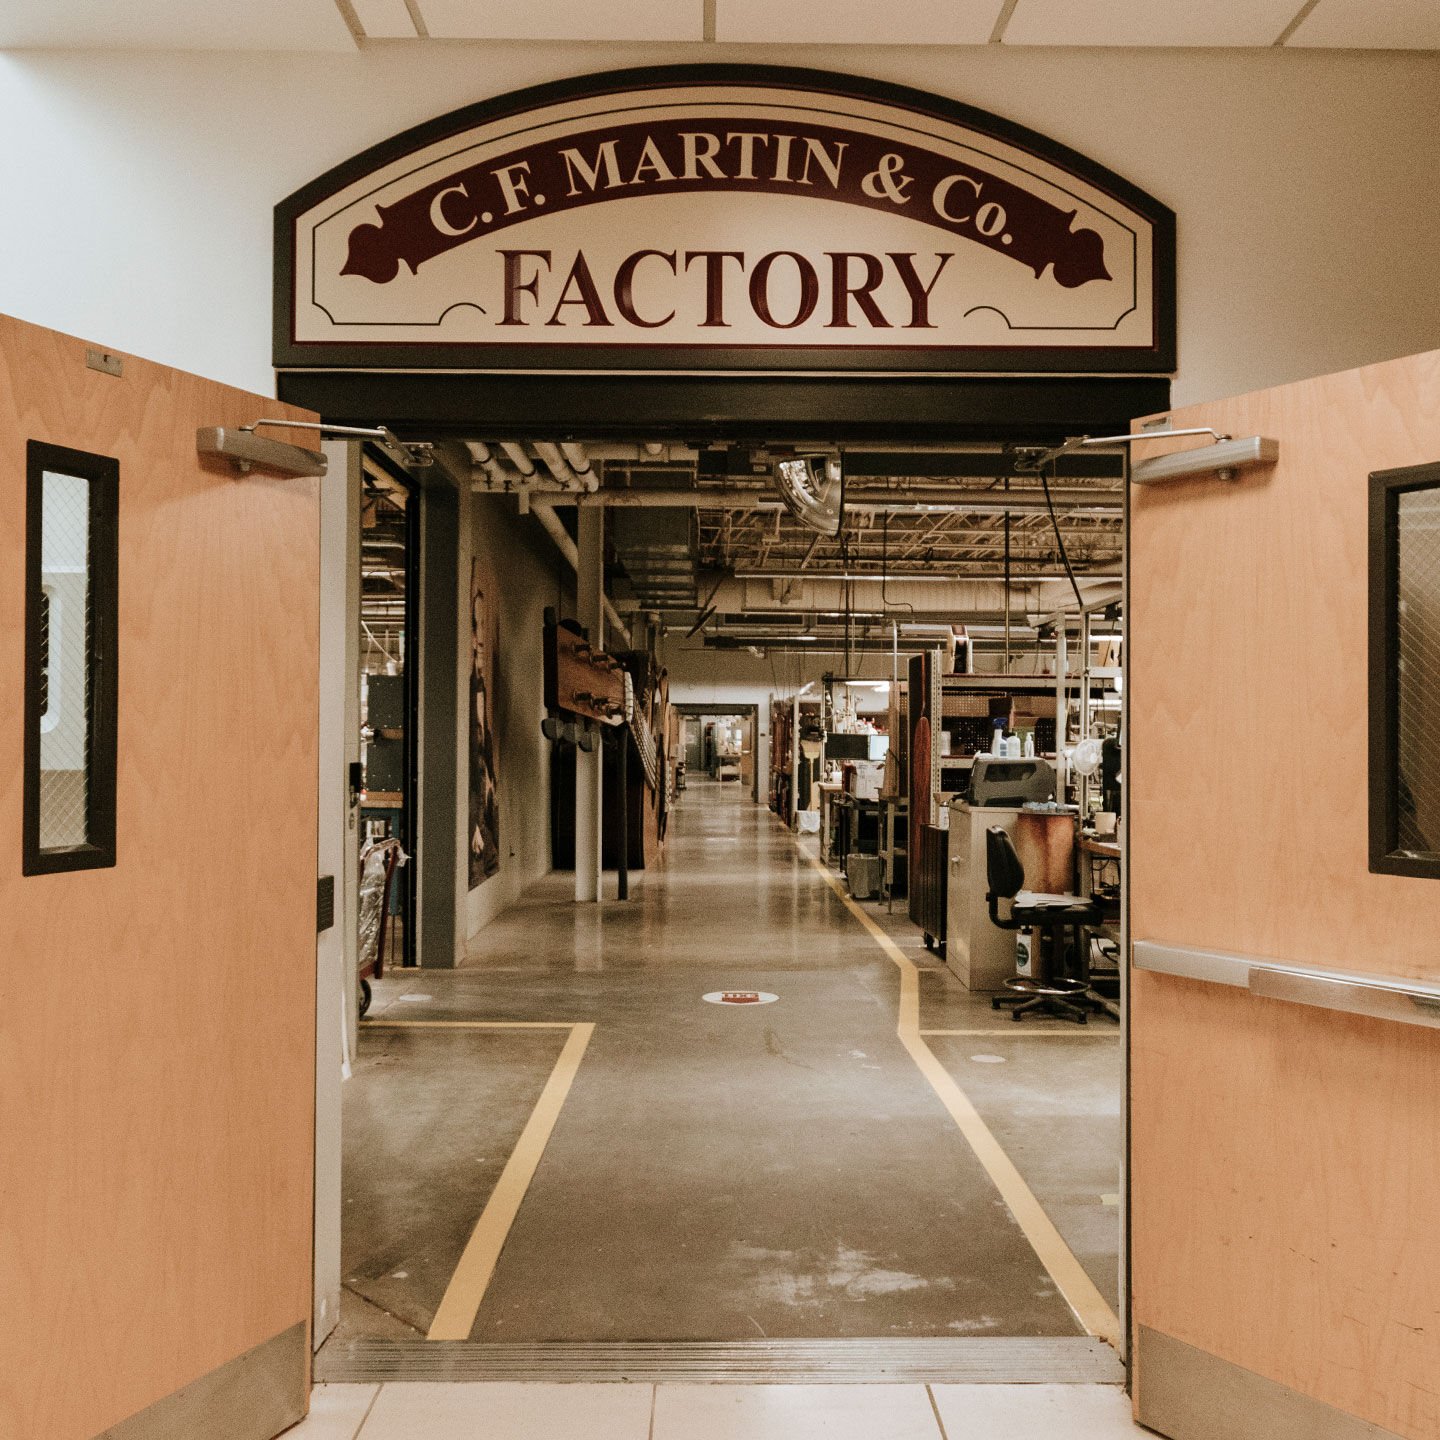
point(863, 873)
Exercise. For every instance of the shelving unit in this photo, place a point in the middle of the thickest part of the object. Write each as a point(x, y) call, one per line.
point(792, 773)
point(894, 846)
point(967, 706)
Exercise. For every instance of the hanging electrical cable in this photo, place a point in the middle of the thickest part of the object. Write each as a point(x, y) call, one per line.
point(1007, 581)
point(1059, 538)
point(885, 601)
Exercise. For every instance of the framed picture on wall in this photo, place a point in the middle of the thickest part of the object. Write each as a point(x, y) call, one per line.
point(484, 828)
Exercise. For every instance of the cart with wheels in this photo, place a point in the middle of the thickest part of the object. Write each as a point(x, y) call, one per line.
point(378, 864)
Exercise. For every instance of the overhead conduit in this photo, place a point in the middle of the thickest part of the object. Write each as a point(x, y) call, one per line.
point(566, 546)
point(491, 476)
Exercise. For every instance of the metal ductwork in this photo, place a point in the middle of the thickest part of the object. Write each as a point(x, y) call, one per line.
point(657, 547)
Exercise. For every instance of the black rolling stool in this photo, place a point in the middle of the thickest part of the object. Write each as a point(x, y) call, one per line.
point(1050, 991)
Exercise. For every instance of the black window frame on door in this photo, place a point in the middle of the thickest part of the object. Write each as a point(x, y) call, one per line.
point(1387, 855)
point(101, 474)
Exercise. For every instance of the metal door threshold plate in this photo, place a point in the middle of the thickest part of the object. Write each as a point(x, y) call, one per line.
point(1028, 1360)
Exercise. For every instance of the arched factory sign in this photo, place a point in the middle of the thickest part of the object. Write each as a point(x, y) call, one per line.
point(724, 218)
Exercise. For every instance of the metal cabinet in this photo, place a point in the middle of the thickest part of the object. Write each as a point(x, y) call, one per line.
point(981, 955)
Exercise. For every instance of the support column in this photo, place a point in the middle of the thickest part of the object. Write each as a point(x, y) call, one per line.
point(589, 771)
point(441, 779)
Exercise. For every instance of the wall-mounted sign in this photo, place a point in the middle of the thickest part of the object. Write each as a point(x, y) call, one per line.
point(721, 217)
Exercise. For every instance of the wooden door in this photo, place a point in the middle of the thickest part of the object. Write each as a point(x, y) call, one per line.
point(157, 1031)
point(1285, 1156)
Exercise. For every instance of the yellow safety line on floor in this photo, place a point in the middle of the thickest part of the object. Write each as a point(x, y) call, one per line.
point(467, 1024)
point(1055, 1255)
point(456, 1316)
point(461, 1302)
point(1029, 1032)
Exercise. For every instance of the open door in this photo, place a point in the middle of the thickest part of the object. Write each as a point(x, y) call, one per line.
point(158, 613)
point(1285, 1076)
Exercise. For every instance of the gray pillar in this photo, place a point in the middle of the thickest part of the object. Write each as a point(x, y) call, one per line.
point(440, 779)
point(590, 611)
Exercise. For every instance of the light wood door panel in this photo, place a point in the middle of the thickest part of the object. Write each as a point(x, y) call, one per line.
point(1248, 672)
point(1286, 1164)
point(157, 1035)
point(1285, 1160)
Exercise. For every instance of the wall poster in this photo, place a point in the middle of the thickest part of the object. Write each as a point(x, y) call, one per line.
point(484, 812)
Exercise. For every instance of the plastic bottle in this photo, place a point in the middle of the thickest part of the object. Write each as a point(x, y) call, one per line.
point(1030, 746)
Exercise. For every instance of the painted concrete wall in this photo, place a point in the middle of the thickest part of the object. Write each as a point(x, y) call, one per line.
point(527, 574)
point(139, 194)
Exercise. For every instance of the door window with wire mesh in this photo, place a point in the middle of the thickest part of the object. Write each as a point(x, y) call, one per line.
point(1405, 671)
point(70, 680)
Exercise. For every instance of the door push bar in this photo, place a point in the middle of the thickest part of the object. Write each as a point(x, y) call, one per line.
point(1382, 997)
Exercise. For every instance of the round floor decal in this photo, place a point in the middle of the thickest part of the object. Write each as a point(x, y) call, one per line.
point(739, 997)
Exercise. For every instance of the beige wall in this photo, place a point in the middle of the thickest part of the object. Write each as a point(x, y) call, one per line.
point(1303, 181)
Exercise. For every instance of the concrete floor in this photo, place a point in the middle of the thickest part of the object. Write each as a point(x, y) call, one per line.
point(718, 1172)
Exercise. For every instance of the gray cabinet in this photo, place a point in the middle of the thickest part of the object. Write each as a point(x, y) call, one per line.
point(981, 955)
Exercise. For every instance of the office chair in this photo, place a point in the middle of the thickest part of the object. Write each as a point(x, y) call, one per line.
point(1050, 991)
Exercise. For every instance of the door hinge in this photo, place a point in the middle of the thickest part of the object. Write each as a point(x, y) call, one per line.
point(105, 362)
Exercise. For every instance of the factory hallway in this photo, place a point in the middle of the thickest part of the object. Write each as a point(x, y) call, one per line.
point(778, 1170)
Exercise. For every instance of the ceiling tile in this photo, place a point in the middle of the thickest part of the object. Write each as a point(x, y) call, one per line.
point(1372, 25)
point(857, 22)
point(564, 19)
point(1149, 22)
point(385, 19)
point(174, 25)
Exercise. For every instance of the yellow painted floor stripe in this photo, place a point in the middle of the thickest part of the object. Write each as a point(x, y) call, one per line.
point(456, 1316)
point(467, 1024)
point(1069, 1275)
point(1029, 1032)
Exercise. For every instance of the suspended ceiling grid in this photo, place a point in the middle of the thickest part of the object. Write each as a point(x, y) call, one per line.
point(340, 25)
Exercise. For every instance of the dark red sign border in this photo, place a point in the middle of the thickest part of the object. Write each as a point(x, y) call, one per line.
point(1158, 358)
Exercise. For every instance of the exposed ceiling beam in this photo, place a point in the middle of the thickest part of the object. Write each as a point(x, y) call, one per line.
point(875, 501)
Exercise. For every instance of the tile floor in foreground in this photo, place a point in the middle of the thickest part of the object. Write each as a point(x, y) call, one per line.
point(478, 1411)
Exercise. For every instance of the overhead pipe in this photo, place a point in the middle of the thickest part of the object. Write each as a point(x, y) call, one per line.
point(926, 577)
point(628, 452)
point(497, 476)
point(566, 546)
point(876, 501)
point(519, 458)
point(579, 462)
point(520, 482)
point(558, 463)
